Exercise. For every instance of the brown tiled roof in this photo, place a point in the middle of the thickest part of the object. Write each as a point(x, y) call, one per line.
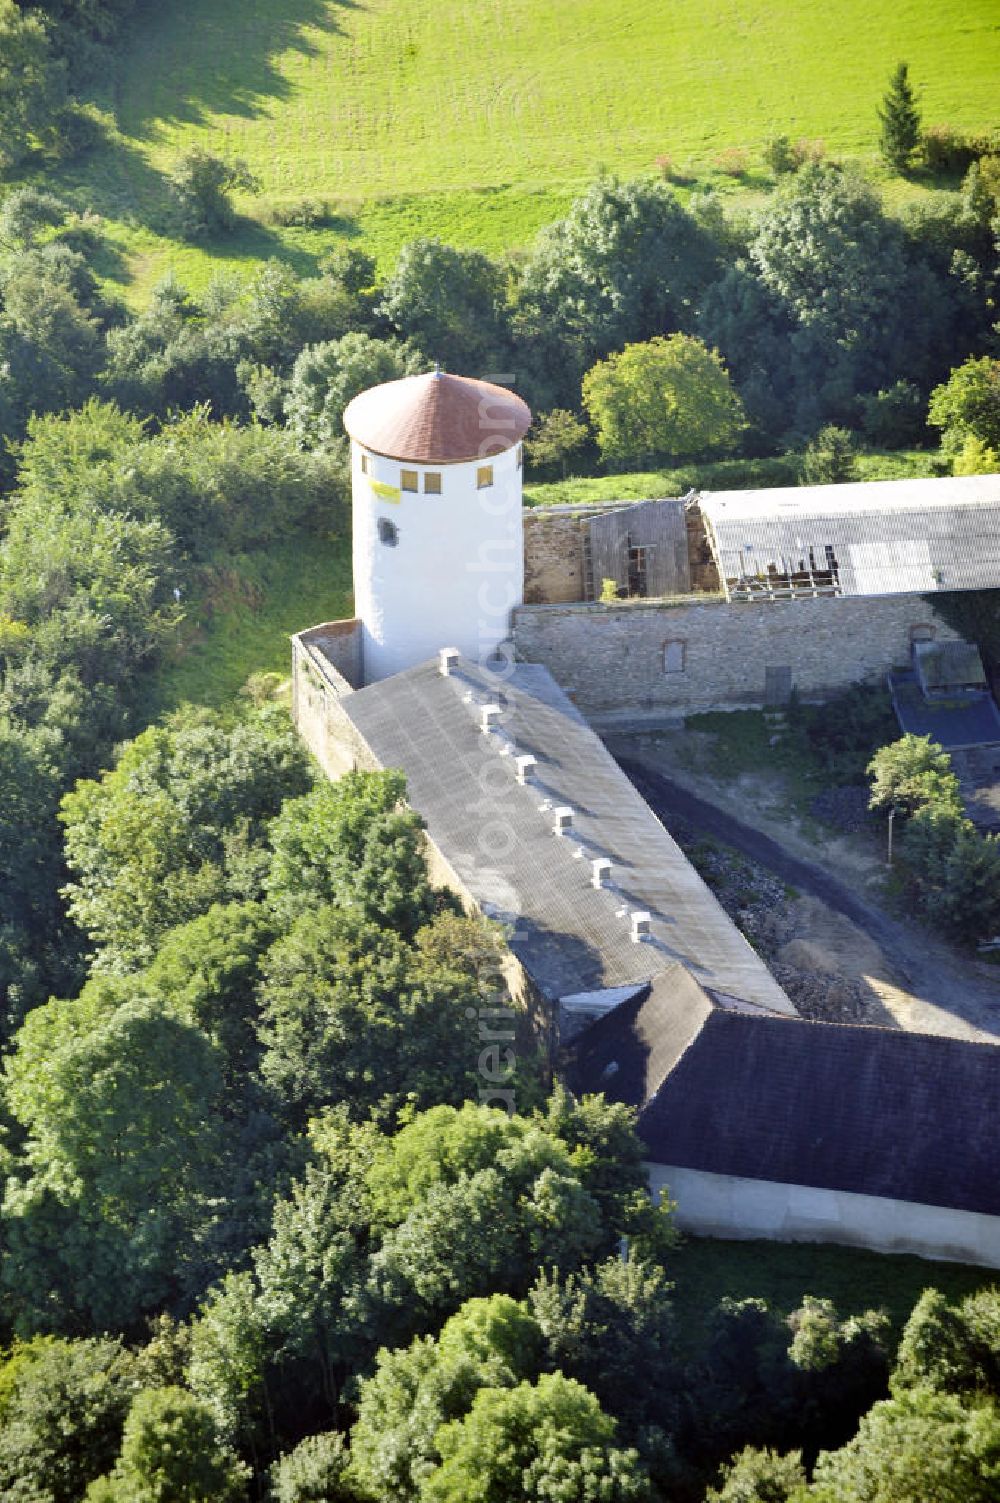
point(437, 419)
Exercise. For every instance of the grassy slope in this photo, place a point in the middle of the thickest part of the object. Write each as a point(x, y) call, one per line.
point(254, 609)
point(480, 129)
point(647, 485)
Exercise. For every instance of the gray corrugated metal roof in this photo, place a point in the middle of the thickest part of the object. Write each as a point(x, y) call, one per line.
point(888, 536)
point(875, 1111)
point(497, 835)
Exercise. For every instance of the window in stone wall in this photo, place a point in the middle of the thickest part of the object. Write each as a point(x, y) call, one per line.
point(674, 656)
point(388, 532)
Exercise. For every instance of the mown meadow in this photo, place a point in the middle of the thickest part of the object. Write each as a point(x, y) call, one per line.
point(479, 123)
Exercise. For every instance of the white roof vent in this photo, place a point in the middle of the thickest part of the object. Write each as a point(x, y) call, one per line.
point(562, 819)
point(600, 872)
point(524, 765)
point(448, 658)
point(640, 927)
point(489, 718)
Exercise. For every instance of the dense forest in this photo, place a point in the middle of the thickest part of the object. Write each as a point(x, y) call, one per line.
point(260, 1237)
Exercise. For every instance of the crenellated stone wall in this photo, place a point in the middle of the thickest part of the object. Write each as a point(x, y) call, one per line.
point(635, 662)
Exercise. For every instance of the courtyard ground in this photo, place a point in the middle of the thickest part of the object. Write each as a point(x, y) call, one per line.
point(813, 900)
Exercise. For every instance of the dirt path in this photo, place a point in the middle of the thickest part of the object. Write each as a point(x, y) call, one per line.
point(922, 983)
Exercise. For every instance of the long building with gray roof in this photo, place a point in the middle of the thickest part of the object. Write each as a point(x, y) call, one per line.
point(773, 1125)
point(758, 1122)
point(887, 537)
point(496, 836)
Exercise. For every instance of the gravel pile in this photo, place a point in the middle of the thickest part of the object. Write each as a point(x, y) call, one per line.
point(760, 906)
point(826, 998)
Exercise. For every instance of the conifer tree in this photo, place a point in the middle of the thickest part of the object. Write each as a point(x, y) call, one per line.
point(900, 119)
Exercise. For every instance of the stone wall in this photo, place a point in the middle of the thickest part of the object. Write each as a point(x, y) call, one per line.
point(636, 662)
point(318, 691)
point(553, 555)
point(339, 644)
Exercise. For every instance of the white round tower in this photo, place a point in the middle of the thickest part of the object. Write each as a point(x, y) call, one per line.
point(436, 470)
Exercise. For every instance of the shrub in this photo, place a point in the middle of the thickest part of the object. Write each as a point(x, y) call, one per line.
point(554, 437)
point(976, 458)
point(965, 900)
point(807, 150)
point(845, 733)
point(302, 212)
point(734, 161)
point(985, 143)
point(946, 150)
point(741, 474)
point(780, 155)
point(830, 458)
point(665, 166)
point(903, 466)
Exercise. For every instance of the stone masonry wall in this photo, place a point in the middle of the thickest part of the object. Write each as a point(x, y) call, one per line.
point(632, 662)
point(318, 691)
point(553, 556)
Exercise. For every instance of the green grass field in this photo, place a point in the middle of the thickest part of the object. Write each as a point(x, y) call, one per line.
point(479, 123)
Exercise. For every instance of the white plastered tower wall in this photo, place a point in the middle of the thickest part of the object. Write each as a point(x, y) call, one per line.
point(438, 550)
point(442, 570)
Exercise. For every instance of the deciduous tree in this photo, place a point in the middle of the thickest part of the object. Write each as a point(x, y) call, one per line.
point(325, 377)
point(967, 405)
point(539, 1440)
point(201, 184)
point(116, 1107)
point(171, 1454)
point(665, 397)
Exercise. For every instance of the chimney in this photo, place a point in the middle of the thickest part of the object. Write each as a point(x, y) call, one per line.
point(448, 657)
point(562, 819)
point(524, 767)
point(489, 718)
point(640, 927)
point(601, 872)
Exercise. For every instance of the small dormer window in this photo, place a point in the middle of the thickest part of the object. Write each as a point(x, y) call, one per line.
point(388, 532)
point(432, 483)
point(484, 477)
point(409, 480)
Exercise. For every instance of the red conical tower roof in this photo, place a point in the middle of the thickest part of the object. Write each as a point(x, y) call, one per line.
point(437, 419)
